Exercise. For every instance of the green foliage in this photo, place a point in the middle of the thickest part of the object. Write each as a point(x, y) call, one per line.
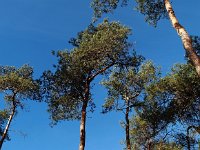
point(142, 134)
point(167, 146)
point(96, 50)
point(154, 10)
point(16, 85)
point(105, 6)
point(139, 132)
point(149, 125)
point(100, 46)
point(19, 82)
point(179, 90)
point(126, 87)
point(172, 99)
point(184, 86)
point(128, 84)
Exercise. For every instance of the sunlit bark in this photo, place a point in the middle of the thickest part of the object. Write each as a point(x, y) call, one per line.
point(8, 122)
point(186, 40)
point(83, 118)
point(82, 127)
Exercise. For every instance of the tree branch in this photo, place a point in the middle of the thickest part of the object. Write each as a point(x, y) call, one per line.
point(100, 71)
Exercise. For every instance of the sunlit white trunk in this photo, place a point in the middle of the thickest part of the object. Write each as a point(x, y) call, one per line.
point(186, 40)
point(7, 126)
point(82, 127)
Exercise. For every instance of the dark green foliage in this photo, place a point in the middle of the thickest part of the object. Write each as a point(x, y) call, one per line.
point(184, 85)
point(181, 139)
point(149, 123)
point(179, 90)
point(96, 50)
point(173, 100)
point(106, 6)
point(154, 10)
point(144, 135)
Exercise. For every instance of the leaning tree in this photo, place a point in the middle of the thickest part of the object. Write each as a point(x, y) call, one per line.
point(17, 85)
point(154, 10)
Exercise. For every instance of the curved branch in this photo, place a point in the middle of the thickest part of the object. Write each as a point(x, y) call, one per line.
point(100, 71)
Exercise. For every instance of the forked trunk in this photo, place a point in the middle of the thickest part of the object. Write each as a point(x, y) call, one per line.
point(7, 127)
point(128, 143)
point(186, 40)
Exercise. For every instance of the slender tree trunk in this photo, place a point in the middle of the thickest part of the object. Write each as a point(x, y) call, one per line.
point(128, 143)
point(7, 126)
point(82, 127)
point(83, 118)
point(149, 145)
point(188, 140)
point(135, 147)
point(188, 136)
point(186, 40)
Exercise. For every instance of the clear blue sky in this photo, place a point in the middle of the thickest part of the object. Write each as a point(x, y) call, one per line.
point(30, 29)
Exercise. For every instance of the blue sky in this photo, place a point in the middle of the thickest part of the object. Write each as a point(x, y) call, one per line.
point(30, 29)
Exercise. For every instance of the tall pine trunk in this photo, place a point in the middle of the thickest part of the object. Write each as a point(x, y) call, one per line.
point(82, 127)
point(128, 143)
point(83, 118)
point(185, 37)
point(7, 126)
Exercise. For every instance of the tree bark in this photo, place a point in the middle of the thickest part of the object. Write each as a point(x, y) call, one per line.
point(188, 140)
point(149, 146)
point(8, 125)
point(83, 118)
point(82, 127)
point(128, 143)
point(85, 103)
point(188, 136)
point(186, 40)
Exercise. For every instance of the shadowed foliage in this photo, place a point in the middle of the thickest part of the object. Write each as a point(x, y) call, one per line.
point(172, 102)
point(153, 10)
